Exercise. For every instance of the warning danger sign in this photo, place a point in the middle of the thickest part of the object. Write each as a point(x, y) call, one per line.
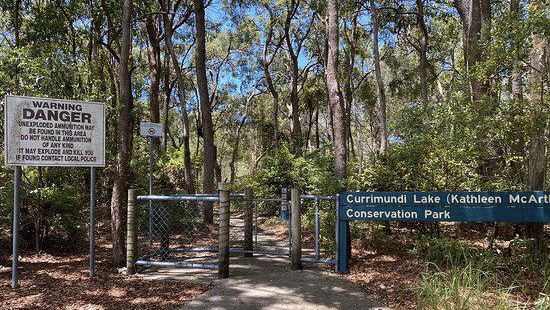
point(53, 132)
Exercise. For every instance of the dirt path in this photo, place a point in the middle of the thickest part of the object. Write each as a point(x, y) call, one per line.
point(266, 282)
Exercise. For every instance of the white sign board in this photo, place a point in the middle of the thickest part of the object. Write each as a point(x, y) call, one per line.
point(53, 132)
point(151, 130)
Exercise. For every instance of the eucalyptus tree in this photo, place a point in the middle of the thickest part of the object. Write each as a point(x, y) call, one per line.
point(334, 92)
point(125, 129)
point(205, 107)
point(539, 117)
point(169, 27)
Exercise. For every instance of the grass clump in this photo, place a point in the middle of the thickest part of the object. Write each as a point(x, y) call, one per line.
point(460, 276)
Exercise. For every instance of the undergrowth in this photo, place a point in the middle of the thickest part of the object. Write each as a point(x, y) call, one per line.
point(458, 275)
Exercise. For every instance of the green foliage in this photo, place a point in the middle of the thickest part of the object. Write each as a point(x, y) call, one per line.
point(460, 276)
point(312, 173)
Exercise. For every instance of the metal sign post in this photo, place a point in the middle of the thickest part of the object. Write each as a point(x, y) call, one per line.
point(151, 167)
point(52, 132)
point(151, 131)
point(92, 221)
point(15, 249)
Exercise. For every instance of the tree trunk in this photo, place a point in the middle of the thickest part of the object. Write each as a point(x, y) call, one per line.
point(296, 128)
point(181, 95)
point(334, 94)
point(206, 110)
point(167, 95)
point(124, 146)
point(476, 21)
point(422, 53)
point(153, 57)
point(379, 81)
point(540, 60)
point(266, 62)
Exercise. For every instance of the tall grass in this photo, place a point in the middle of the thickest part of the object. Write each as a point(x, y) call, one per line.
point(460, 276)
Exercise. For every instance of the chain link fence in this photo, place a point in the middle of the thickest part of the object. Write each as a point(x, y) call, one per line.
point(172, 231)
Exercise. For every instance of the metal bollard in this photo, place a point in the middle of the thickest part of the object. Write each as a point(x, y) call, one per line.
point(248, 223)
point(223, 239)
point(296, 230)
point(131, 233)
point(255, 226)
point(317, 256)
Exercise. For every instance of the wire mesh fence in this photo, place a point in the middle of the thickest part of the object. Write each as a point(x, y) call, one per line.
point(182, 230)
point(318, 232)
point(172, 231)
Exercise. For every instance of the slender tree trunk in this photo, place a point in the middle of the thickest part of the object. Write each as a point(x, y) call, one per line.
point(183, 102)
point(206, 109)
point(296, 131)
point(17, 31)
point(124, 146)
point(518, 146)
point(335, 98)
point(235, 153)
point(296, 128)
point(537, 165)
point(517, 67)
point(422, 53)
point(317, 140)
point(379, 81)
point(476, 21)
point(167, 95)
point(266, 62)
point(153, 57)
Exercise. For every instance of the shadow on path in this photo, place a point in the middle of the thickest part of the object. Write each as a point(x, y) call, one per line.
point(265, 282)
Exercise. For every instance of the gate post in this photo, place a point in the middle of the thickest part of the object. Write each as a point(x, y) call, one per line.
point(223, 238)
point(283, 211)
point(296, 230)
point(131, 233)
point(248, 223)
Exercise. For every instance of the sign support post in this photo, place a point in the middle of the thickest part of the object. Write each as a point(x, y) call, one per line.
point(151, 167)
point(15, 249)
point(151, 131)
point(52, 132)
point(92, 221)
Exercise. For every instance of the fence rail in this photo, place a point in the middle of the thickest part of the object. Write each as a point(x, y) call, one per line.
point(172, 230)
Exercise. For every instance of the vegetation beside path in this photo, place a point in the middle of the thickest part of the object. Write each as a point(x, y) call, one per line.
point(408, 271)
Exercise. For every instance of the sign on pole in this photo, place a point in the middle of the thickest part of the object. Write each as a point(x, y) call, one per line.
point(154, 130)
point(53, 132)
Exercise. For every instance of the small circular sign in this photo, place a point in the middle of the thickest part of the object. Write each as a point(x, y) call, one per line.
point(151, 131)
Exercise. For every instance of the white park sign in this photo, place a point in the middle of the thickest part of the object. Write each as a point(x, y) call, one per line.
point(53, 132)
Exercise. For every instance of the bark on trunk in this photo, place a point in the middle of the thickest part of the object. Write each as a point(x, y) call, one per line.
point(422, 53)
point(476, 21)
point(266, 62)
point(296, 128)
point(379, 81)
point(206, 110)
point(167, 95)
point(124, 146)
point(153, 57)
point(333, 88)
point(540, 61)
point(188, 174)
